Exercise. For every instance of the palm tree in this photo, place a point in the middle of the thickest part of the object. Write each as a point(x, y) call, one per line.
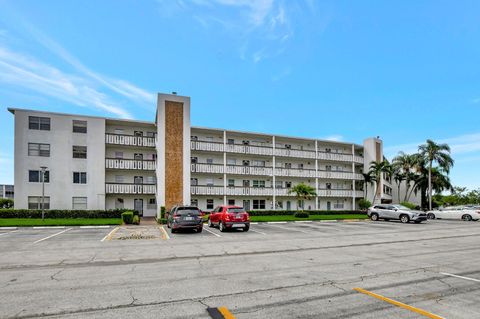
point(399, 177)
point(376, 170)
point(405, 162)
point(439, 182)
point(439, 153)
point(368, 179)
point(303, 191)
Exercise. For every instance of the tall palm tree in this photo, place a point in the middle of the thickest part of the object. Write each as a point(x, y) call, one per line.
point(439, 182)
point(303, 191)
point(398, 177)
point(368, 179)
point(406, 163)
point(376, 170)
point(439, 153)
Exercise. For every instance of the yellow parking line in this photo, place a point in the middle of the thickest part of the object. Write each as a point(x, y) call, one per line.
point(399, 304)
point(226, 314)
point(164, 233)
point(110, 234)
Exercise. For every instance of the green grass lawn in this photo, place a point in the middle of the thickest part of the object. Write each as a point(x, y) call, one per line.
point(282, 218)
point(26, 222)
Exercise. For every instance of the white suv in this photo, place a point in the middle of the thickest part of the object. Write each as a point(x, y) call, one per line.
point(402, 213)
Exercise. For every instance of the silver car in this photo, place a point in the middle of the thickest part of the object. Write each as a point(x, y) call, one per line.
point(399, 212)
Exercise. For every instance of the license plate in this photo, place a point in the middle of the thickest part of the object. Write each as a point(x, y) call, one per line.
point(188, 218)
point(238, 225)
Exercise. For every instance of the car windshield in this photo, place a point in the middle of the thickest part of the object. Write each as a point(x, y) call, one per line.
point(236, 210)
point(188, 210)
point(401, 207)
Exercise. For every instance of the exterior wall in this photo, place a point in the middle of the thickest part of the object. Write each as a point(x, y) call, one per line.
point(61, 163)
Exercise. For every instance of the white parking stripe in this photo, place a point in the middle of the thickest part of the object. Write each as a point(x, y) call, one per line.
point(302, 221)
point(56, 234)
point(110, 233)
point(211, 232)
point(94, 227)
point(2, 228)
point(276, 222)
point(290, 229)
point(13, 231)
point(461, 277)
point(49, 227)
point(256, 231)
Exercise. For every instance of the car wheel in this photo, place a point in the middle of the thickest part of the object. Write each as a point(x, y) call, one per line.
point(417, 221)
point(374, 217)
point(386, 219)
point(221, 226)
point(199, 230)
point(467, 218)
point(404, 219)
point(431, 216)
point(246, 228)
point(210, 223)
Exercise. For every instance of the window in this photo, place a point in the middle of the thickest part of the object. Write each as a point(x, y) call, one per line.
point(288, 165)
point(35, 202)
point(79, 151)
point(36, 176)
point(209, 160)
point(259, 163)
point(328, 185)
point(194, 202)
point(79, 177)
point(119, 131)
point(79, 126)
point(258, 204)
point(231, 161)
point(288, 146)
point(150, 180)
point(138, 157)
point(38, 149)
point(328, 150)
point(39, 123)
point(328, 167)
point(118, 178)
point(193, 181)
point(246, 163)
point(151, 134)
point(288, 184)
point(138, 133)
point(231, 141)
point(231, 202)
point(152, 203)
point(246, 142)
point(257, 183)
point(194, 138)
point(119, 155)
point(279, 205)
point(119, 203)
point(231, 182)
point(278, 184)
point(194, 160)
point(209, 203)
point(79, 203)
point(300, 166)
point(209, 181)
point(246, 183)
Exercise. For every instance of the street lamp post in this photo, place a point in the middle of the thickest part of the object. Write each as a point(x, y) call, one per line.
point(43, 191)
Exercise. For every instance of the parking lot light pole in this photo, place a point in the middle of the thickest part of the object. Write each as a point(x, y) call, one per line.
point(43, 191)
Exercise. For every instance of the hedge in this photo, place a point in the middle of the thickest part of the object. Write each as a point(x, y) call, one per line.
point(57, 213)
point(127, 217)
point(310, 212)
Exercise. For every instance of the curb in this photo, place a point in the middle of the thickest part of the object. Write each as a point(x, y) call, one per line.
point(8, 228)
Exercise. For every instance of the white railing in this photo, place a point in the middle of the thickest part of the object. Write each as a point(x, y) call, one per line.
point(334, 156)
point(335, 192)
point(335, 174)
point(358, 159)
point(129, 140)
point(206, 146)
point(249, 170)
point(294, 153)
point(231, 191)
point(118, 188)
point(206, 168)
point(248, 149)
point(118, 163)
point(279, 171)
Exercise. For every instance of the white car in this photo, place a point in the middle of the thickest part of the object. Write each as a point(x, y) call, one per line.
point(458, 212)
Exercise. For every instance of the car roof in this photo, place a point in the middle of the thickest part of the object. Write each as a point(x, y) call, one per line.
point(231, 206)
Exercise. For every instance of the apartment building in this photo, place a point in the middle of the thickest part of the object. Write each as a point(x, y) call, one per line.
point(6, 191)
point(103, 163)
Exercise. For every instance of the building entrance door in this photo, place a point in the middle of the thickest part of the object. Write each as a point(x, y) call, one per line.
point(138, 206)
point(246, 204)
point(329, 206)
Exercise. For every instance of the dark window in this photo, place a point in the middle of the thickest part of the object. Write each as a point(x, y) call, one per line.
point(79, 177)
point(79, 151)
point(209, 203)
point(232, 203)
point(39, 123)
point(38, 149)
point(79, 126)
point(152, 201)
point(35, 202)
point(36, 176)
point(258, 204)
point(231, 141)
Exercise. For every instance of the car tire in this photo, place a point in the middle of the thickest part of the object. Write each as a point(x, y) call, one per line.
point(374, 217)
point(199, 230)
point(221, 226)
point(386, 219)
point(417, 221)
point(404, 219)
point(431, 216)
point(210, 223)
point(467, 218)
point(246, 228)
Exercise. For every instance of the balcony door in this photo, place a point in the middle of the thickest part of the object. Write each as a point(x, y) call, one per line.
point(138, 180)
point(138, 205)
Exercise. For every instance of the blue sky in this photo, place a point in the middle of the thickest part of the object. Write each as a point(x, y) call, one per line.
point(345, 70)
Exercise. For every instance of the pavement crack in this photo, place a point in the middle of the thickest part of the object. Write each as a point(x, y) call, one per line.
point(52, 277)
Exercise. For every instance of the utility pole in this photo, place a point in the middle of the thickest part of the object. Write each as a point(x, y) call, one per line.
point(43, 191)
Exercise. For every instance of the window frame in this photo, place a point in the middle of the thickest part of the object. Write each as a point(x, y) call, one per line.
point(81, 203)
point(77, 126)
point(45, 126)
point(78, 152)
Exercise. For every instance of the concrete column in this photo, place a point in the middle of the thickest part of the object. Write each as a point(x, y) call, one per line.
point(225, 167)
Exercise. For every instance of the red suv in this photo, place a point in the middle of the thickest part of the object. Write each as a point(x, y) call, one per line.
point(229, 217)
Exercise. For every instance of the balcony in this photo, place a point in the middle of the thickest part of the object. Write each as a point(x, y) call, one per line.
point(231, 190)
point(294, 172)
point(249, 170)
point(129, 140)
point(340, 175)
point(249, 149)
point(130, 164)
point(287, 152)
point(206, 168)
point(127, 188)
point(334, 156)
point(206, 146)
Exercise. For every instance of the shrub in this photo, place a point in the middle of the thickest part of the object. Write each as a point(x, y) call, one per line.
point(127, 217)
point(409, 205)
point(162, 212)
point(58, 213)
point(6, 203)
point(136, 220)
point(364, 204)
point(301, 214)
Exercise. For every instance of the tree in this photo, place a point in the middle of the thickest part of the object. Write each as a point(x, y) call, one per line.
point(368, 179)
point(376, 170)
point(405, 163)
point(302, 192)
point(440, 153)
point(6, 203)
point(398, 177)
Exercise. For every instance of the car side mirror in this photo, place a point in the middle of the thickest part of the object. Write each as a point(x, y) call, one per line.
point(396, 209)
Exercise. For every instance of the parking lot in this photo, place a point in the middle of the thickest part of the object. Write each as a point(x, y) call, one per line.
point(276, 270)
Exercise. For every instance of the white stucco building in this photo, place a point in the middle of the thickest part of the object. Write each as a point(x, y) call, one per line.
point(104, 163)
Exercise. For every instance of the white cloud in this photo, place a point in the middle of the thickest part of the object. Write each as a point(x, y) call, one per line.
point(335, 138)
point(26, 72)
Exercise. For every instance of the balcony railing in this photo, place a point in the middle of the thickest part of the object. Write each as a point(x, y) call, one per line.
point(206, 168)
point(119, 163)
point(125, 188)
point(231, 190)
point(249, 170)
point(249, 149)
point(295, 172)
point(335, 156)
point(340, 175)
point(129, 140)
point(286, 152)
